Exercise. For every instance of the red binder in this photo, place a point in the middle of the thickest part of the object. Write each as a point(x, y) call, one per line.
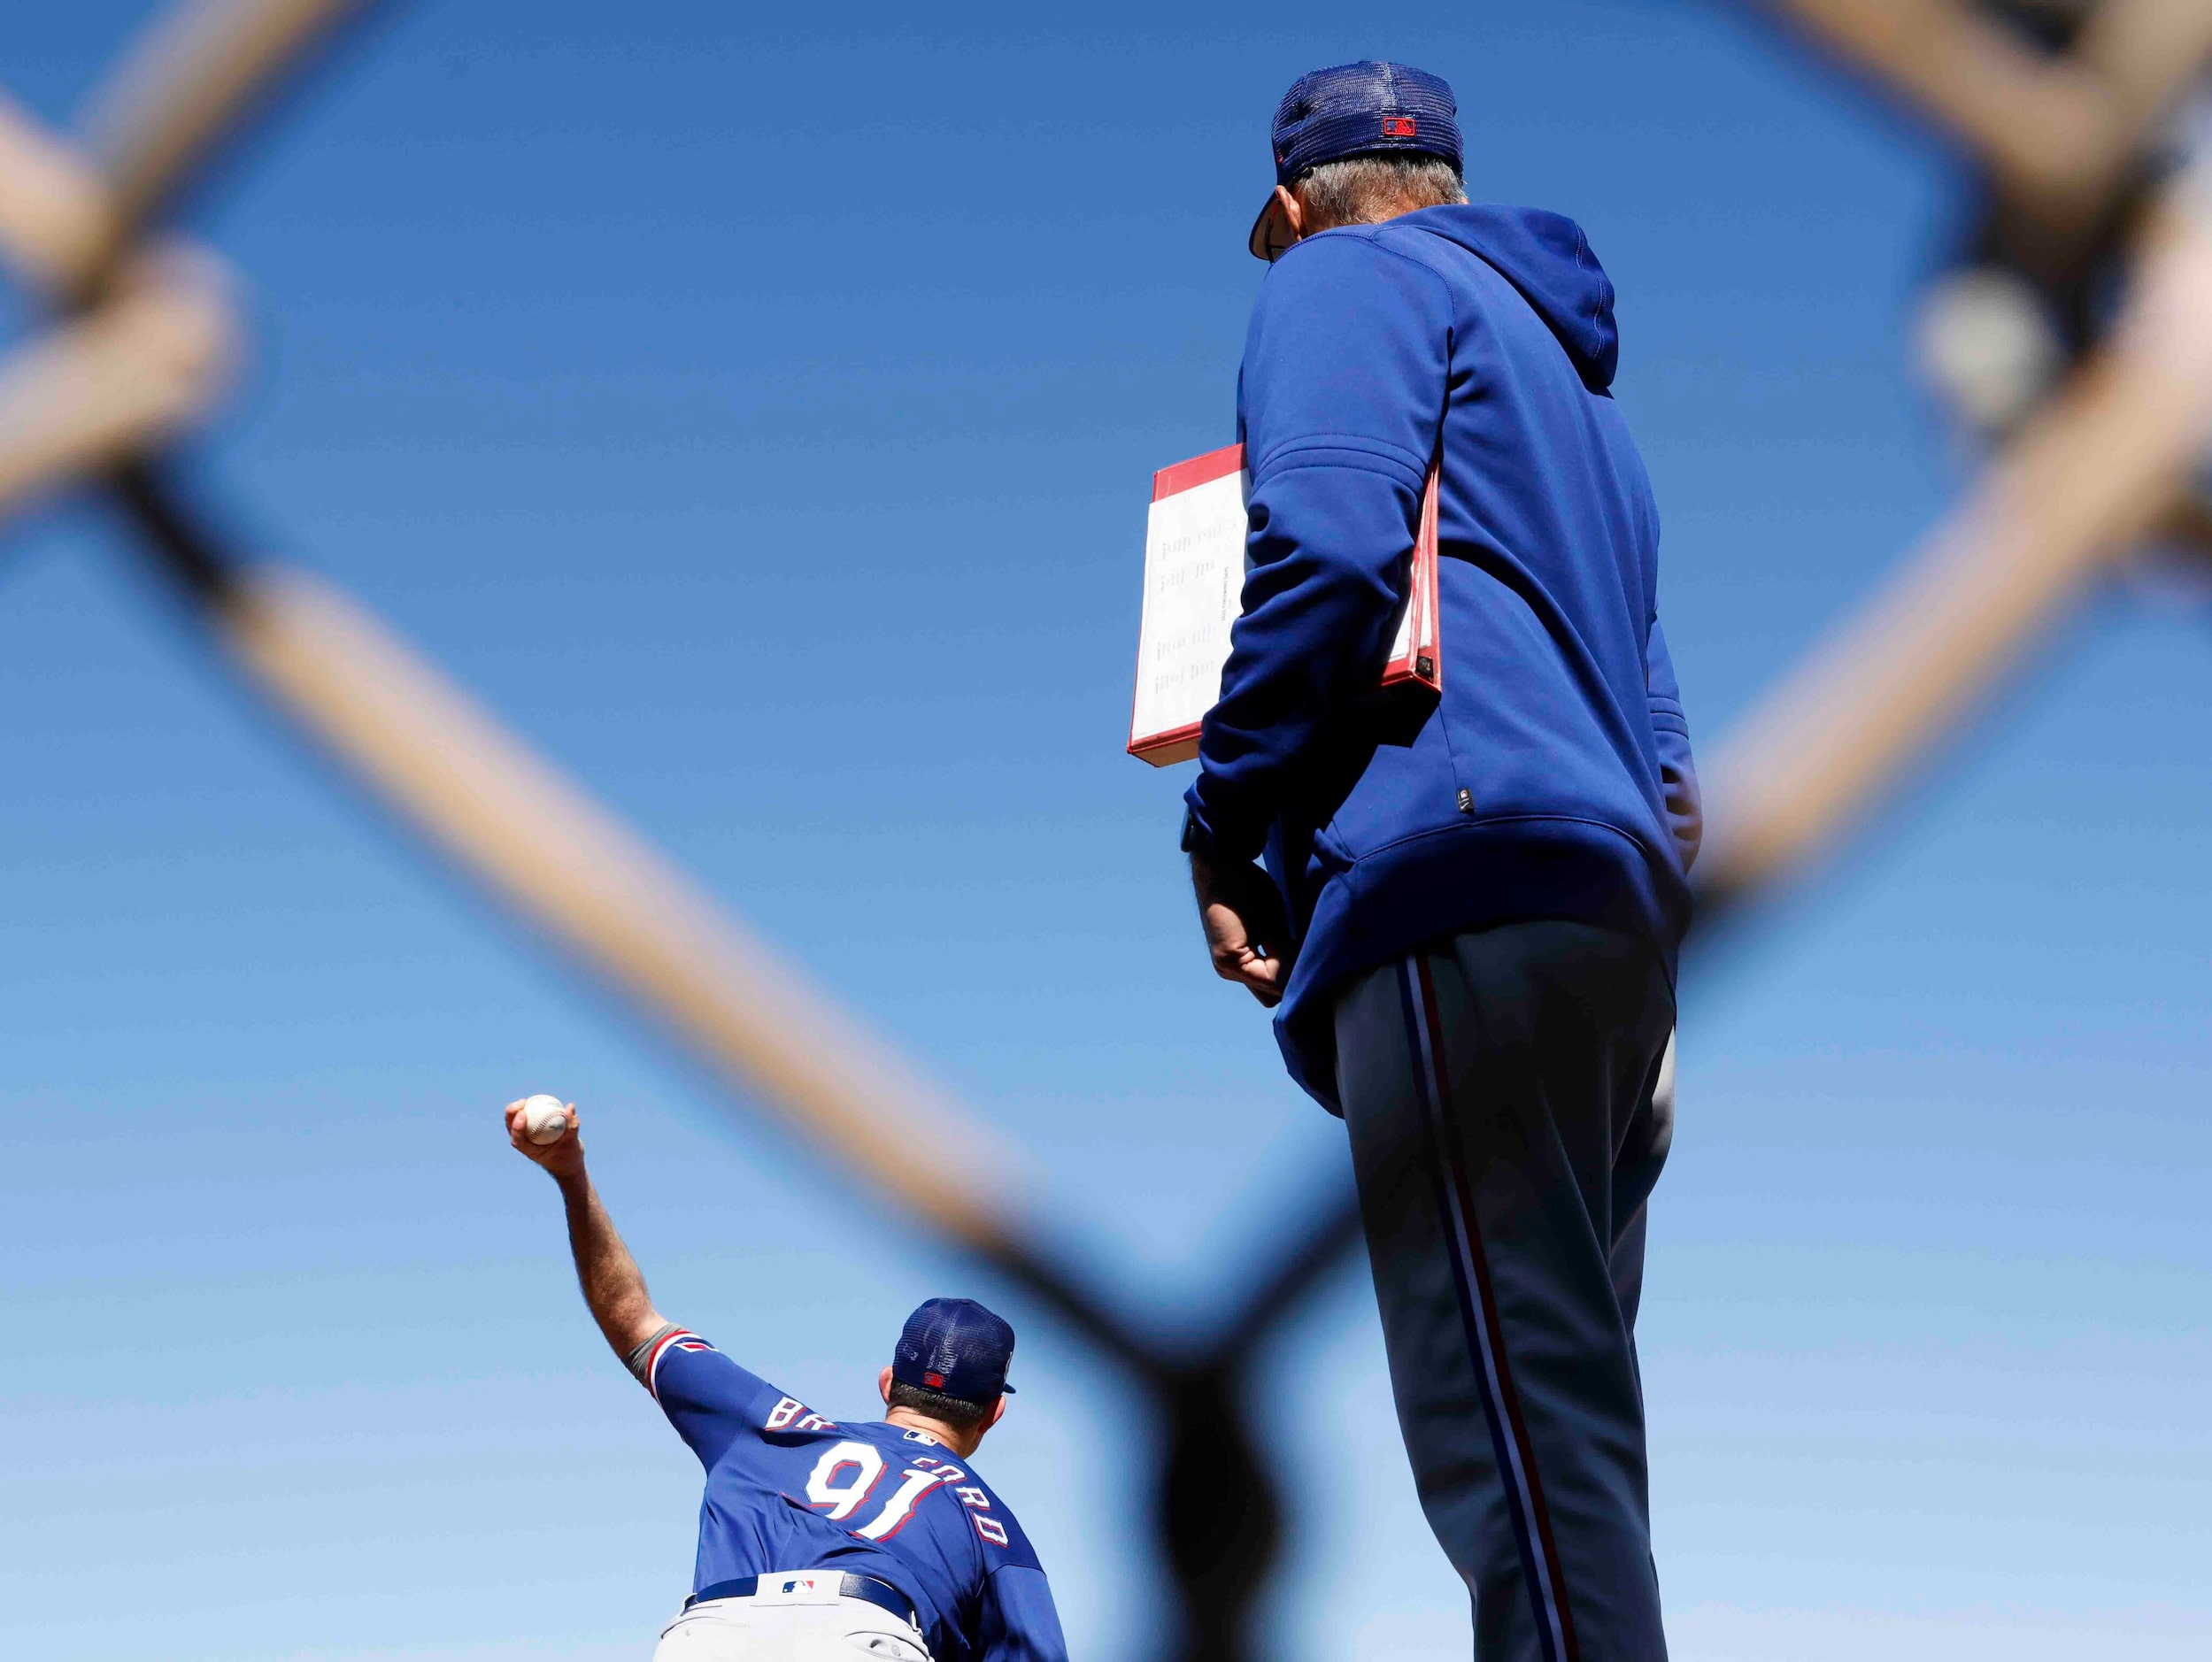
point(1194, 580)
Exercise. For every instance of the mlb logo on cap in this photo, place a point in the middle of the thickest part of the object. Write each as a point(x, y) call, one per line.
point(1362, 109)
point(956, 1346)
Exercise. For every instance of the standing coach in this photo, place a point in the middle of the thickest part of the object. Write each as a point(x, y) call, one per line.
point(1468, 932)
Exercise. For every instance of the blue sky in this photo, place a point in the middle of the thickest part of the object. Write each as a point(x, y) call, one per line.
point(761, 417)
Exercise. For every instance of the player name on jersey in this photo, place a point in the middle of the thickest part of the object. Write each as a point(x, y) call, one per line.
point(1194, 580)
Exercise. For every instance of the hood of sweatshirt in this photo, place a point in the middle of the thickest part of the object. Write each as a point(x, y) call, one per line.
point(1547, 258)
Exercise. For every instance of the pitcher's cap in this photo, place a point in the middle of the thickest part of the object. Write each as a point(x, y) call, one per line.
point(1355, 110)
point(955, 1346)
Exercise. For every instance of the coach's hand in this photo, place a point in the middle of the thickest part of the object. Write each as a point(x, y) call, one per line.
point(1247, 930)
point(563, 1159)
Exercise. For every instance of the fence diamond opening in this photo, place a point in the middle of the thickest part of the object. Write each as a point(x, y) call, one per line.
point(143, 334)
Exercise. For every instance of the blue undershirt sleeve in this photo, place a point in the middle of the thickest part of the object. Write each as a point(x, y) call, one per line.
point(1342, 396)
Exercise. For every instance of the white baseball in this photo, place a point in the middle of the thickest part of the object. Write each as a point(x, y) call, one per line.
point(544, 1119)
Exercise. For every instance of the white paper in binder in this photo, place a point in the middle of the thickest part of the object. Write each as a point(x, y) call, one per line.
point(1194, 580)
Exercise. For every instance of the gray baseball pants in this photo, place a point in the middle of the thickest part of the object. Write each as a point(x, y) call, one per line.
point(1503, 1093)
point(758, 1630)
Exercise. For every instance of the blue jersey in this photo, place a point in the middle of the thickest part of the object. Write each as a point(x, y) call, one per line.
point(787, 1489)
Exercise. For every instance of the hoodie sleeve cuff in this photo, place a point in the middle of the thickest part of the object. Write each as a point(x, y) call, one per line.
point(1219, 837)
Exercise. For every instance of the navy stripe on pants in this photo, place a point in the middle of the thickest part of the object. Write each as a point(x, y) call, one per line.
point(1500, 1093)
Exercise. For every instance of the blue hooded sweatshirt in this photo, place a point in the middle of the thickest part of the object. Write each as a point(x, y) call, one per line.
point(1552, 778)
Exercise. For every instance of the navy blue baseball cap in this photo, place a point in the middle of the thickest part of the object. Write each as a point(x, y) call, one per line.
point(1363, 109)
point(955, 1346)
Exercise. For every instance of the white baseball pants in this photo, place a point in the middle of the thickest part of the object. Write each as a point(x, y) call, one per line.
point(755, 1630)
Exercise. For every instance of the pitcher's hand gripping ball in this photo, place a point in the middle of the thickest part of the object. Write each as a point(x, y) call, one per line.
point(544, 1119)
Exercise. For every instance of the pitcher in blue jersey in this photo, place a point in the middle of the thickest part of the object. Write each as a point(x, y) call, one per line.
point(819, 1538)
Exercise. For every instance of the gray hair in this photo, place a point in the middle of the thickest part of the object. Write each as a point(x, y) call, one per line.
point(1367, 190)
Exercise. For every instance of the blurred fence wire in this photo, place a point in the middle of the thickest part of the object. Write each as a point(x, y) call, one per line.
point(143, 334)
